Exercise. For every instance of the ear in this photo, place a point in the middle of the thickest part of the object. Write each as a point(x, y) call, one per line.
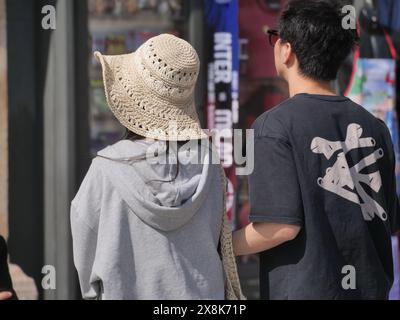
point(287, 53)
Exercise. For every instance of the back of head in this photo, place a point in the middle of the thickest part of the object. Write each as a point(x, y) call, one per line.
point(314, 29)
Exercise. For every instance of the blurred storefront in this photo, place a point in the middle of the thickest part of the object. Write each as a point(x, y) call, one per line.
point(118, 27)
point(58, 118)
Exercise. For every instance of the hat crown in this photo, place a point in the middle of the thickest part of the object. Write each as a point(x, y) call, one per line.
point(150, 91)
point(170, 66)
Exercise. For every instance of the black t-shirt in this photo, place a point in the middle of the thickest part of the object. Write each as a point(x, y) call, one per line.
point(326, 164)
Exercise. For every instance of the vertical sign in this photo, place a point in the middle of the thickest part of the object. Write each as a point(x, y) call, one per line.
point(223, 83)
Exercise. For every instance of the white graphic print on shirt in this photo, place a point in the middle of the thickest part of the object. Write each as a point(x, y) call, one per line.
point(346, 181)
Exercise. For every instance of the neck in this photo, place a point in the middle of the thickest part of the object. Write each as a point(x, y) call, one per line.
point(300, 84)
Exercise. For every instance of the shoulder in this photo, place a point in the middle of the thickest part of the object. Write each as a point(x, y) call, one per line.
point(386, 138)
point(383, 128)
point(86, 205)
point(380, 126)
point(272, 124)
point(91, 186)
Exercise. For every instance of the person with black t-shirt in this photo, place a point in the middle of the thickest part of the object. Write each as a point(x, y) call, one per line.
point(323, 191)
point(6, 289)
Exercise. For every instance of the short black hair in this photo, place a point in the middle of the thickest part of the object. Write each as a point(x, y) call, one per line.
point(314, 30)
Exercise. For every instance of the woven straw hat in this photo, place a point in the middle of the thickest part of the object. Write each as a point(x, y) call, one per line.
point(151, 91)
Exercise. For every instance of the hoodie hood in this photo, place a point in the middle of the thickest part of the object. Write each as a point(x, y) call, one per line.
point(164, 195)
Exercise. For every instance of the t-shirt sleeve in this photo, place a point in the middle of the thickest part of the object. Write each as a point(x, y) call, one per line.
point(392, 197)
point(394, 217)
point(274, 189)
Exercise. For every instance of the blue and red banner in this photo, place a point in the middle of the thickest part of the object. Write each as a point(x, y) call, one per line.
point(223, 83)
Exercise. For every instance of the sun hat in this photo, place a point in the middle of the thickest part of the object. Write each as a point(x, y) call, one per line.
point(151, 91)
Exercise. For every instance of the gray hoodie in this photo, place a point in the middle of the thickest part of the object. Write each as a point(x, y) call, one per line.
point(139, 233)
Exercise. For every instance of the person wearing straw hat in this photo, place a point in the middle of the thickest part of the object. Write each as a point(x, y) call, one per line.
point(146, 224)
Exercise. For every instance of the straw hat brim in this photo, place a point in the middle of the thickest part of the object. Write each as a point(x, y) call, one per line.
point(144, 111)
